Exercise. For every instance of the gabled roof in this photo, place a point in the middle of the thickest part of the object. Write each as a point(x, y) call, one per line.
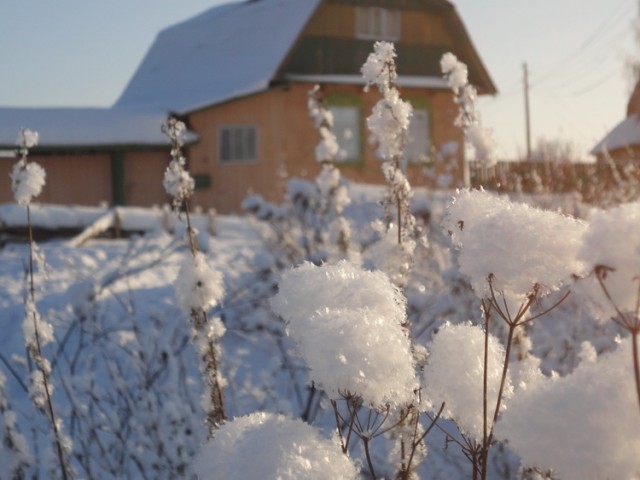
point(85, 127)
point(226, 52)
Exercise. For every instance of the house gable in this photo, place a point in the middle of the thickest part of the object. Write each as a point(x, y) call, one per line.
point(330, 44)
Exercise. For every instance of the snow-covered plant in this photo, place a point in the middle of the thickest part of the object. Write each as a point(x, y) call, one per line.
point(198, 287)
point(389, 127)
point(512, 255)
point(579, 425)
point(454, 374)
point(465, 95)
point(14, 456)
point(349, 325)
point(268, 446)
point(28, 178)
point(332, 193)
point(177, 182)
point(611, 252)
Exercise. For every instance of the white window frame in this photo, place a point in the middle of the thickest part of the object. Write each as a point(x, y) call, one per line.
point(246, 148)
point(349, 136)
point(376, 23)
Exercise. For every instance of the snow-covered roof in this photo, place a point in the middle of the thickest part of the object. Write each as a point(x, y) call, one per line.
point(226, 52)
point(625, 134)
point(402, 80)
point(85, 127)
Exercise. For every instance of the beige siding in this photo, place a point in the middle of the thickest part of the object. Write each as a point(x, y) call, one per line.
point(287, 140)
point(143, 176)
point(71, 179)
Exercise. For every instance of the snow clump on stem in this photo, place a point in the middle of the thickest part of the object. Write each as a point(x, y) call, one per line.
point(454, 375)
point(268, 446)
point(611, 249)
point(466, 96)
point(347, 323)
point(177, 182)
point(517, 245)
point(599, 437)
point(27, 178)
point(198, 286)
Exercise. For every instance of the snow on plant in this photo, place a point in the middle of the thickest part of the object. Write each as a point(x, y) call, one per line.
point(389, 126)
point(27, 181)
point(347, 323)
point(27, 178)
point(454, 375)
point(177, 182)
point(14, 457)
point(468, 117)
point(198, 288)
point(332, 193)
point(611, 249)
point(518, 246)
point(269, 446)
point(579, 425)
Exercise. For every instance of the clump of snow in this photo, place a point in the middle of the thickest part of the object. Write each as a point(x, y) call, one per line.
point(612, 243)
point(198, 286)
point(347, 323)
point(454, 375)
point(27, 178)
point(466, 96)
point(389, 120)
point(177, 182)
point(265, 446)
point(29, 138)
point(454, 71)
point(594, 429)
point(518, 244)
point(327, 149)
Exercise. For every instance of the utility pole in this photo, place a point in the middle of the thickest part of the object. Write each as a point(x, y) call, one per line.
point(527, 115)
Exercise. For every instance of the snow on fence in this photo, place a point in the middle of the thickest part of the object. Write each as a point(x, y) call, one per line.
point(83, 223)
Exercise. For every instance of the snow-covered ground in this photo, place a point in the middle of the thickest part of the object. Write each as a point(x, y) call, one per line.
point(126, 377)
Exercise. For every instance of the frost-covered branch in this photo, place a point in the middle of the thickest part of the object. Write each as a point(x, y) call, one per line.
point(198, 286)
point(466, 95)
point(28, 178)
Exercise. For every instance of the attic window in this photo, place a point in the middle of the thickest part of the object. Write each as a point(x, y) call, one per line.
point(375, 23)
point(237, 143)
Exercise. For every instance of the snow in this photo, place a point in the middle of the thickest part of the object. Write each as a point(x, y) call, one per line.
point(625, 134)
point(517, 244)
point(77, 127)
point(27, 180)
point(347, 323)
point(227, 52)
point(264, 446)
point(596, 437)
point(612, 241)
point(454, 375)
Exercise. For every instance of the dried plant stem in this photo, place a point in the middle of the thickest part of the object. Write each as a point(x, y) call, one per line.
point(35, 352)
point(217, 415)
point(629, 322)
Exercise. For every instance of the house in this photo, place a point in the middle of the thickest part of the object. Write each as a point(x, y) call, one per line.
point(238, 75)
point(622, 143)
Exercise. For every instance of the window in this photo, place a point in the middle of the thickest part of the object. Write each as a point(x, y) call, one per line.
point(374, 23)
point(346, 127)
point(238, 144)
point(419, 143)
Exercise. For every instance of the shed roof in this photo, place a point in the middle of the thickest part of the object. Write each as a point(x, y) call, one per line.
point(85, 127)
point(625, 134)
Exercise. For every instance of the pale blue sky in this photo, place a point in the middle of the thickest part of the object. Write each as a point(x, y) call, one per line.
point(82, 53)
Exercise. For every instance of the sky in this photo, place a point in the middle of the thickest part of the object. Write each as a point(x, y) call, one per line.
point(82, 53)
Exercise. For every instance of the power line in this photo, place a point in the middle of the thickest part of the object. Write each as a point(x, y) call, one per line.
point(614, 18)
